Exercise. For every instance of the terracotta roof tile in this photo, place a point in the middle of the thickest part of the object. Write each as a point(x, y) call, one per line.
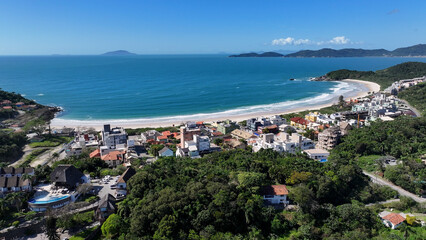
point(394, 218)
point(275, 190)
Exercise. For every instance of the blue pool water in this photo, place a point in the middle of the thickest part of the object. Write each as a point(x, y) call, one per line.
point(164, 86)
point(47, 199)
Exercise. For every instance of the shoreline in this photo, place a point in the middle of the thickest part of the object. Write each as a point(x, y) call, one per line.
point(97, 124)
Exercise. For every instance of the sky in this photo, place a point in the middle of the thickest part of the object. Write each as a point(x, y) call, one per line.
point(42, 27)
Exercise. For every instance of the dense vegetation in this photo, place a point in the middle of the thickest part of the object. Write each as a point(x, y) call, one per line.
point(403, 138)
point(218, 197)
point(383, 77)
point(11, 145)
point(14, 97)
point(138, 131)
point(416, 96)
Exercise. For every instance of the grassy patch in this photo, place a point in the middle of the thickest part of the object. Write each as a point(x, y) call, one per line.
point(32, 156)
point(44, 144)
point(82, 235)
point(368, 163)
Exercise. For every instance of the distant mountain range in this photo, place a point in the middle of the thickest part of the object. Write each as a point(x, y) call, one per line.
point(413, 51)
point(118, 53)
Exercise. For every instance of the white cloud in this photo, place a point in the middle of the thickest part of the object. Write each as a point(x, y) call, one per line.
point(340, 40)
point(290, 41)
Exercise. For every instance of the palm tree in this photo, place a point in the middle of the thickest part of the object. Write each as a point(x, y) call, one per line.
point(15, 199)
point(50, 228)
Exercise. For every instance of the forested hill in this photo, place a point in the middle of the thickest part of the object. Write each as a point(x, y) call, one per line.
point(384, 77)
point(413, 51)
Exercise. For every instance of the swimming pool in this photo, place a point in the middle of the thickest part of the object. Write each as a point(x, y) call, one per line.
point(45, 199)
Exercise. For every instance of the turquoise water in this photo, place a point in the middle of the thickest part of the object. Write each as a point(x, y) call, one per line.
point(165, 86)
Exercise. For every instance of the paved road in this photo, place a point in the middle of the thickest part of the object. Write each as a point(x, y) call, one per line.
point(418, 114)
point(401, 191)
point(383, 202)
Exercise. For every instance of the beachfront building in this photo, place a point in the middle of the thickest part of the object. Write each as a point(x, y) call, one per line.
point(282, 142)
point(286, 128)
point(318, 154)
point(149, 135)
point(79, 143)
point(227, 126)
point(275, 195)
point(113, 137)
point(299, 122)
point(329, 138)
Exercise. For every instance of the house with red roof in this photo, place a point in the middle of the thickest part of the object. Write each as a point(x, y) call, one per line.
point(95, 154)
point(275, 194)
point(163, 139)
point(113, 158)
point(392, 220)
point(299, 122)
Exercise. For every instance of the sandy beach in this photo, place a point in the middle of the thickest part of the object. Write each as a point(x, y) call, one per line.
point(97, 124)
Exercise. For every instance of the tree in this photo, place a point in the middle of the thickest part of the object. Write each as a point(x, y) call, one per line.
point(341, 101)
point(38, 126)
point(50, 228)
point(166, 228)
point(111, 227)
point(218, 141)
point(84, 188)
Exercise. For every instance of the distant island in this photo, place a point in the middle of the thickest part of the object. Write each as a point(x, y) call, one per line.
point(118, 53)
point(412, 51)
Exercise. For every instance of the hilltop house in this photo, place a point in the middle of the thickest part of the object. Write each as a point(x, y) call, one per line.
point(275, 195)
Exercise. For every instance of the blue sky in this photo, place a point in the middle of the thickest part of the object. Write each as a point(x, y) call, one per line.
point(36, 27)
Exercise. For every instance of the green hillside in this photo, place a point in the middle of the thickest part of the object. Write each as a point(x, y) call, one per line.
point(383, 77)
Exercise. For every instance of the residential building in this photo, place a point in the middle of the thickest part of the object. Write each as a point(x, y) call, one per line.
point(329, 138)
point(11, 171)
point(227, 126)
point(275, 195)
point(312, 116)
point(317, 154)
point(240, 134)
point(111, 137)
point(113, 158)
point(282, 142)
point(286, 128)
point(392, 220)
point(268, 129)
point(106, 207)
point(149, 135)
point(67, 176)
point(121, 189)
point(14, 184)
point(299, 122)
point(165, 152)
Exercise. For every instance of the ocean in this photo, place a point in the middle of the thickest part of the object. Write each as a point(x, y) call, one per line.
point(159, 87)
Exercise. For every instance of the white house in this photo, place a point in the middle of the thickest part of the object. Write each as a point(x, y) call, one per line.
point(392, 220)
point(275, 194)
point(165, 152)
point(317, 154)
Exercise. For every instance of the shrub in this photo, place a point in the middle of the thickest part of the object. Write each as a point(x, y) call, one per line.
point(15, 223)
